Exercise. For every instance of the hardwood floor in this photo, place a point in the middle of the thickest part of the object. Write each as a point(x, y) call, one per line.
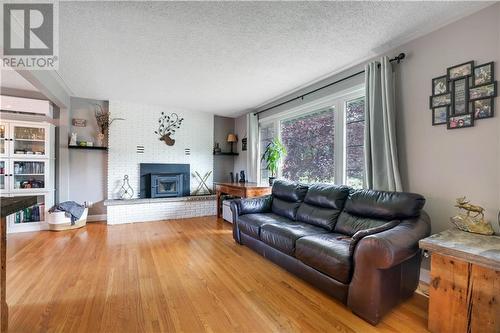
point(179, 275)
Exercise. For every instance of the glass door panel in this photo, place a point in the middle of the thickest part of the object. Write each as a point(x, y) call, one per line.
point(28, 175)
point(3, 140)
point(29, 140)
point(3, 171)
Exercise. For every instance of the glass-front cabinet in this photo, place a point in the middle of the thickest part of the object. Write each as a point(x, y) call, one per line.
point(4, 141)
point(27, 168)
point(4, 178)
point(28, 175)
point(28, 140)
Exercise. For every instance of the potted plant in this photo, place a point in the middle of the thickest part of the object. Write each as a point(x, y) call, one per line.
point(273, 154)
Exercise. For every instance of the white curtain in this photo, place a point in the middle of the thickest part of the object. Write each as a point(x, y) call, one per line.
point(381, 157)
point(253, 147)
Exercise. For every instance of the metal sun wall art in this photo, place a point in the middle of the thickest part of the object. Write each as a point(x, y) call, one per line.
point(167, 125)
point(465, 94)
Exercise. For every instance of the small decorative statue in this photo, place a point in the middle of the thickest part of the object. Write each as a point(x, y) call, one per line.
point(242, 176)
point(72, 140)
point(167, 125)
point(471, 223)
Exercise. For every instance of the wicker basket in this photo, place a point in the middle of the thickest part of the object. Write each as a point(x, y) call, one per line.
point(58, 221)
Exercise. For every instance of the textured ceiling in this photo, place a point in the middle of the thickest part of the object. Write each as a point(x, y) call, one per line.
point(228, 57)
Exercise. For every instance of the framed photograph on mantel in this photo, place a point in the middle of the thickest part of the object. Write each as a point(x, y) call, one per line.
point(460, 71)
point(460, 96)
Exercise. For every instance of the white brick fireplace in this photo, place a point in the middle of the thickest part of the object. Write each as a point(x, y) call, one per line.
point(193, 146)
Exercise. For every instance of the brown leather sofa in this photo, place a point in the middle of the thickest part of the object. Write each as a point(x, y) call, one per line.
point(359, 246)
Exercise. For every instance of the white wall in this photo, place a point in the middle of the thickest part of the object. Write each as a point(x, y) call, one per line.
point(444, 164)
point(88, 168)
point(138, 128)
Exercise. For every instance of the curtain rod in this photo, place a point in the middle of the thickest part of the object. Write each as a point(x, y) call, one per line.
point(398, 59)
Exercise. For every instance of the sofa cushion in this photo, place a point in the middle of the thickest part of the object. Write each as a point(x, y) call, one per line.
point(366, 209)
point(384, 205)
point(250, 224)
point(322, 205)
point(328, 253)
point(288, 191)
point(282, 236)
point(327, 196)
point(287, 197)
point(349, 224)
point(285, 208)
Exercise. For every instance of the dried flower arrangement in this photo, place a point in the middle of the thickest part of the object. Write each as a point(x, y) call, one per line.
point(103, 119)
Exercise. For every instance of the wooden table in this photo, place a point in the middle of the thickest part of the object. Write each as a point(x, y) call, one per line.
point(464, 294)
point(242, 190)
point(8, 205)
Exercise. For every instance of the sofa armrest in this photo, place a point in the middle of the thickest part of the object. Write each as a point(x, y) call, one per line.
point(248, 206)
point(389, 248)
point(251, 205)
point(359, 235)
point(386, 268)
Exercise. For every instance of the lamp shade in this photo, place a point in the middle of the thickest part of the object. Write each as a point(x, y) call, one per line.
point(232, 138)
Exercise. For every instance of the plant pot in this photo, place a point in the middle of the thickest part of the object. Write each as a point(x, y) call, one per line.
point(271, 180)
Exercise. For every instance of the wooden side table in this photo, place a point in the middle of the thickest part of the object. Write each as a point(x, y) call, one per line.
point(464, 293)
point(242, 190)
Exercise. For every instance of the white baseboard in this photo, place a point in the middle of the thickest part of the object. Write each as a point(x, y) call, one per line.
point(425, 276)
point(93, 218)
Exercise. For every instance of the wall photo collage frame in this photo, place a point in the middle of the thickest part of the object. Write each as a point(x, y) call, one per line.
point(465, 94)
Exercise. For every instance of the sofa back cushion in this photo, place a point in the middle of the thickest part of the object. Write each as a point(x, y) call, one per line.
point(322, 205)
point(365, 209)
point(287, 197)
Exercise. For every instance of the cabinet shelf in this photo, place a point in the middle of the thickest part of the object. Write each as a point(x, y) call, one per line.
point(88, 147)
point(227, 154)
point(31, 140)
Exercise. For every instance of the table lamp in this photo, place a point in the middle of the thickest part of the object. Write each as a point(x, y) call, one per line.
point(232, 138)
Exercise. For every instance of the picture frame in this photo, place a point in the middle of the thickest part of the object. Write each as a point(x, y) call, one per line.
point(77, 122)
point(460, 71)
point(483, 108)
point(440, 115)
point(483, 74)
point(483, 91)
point(244, 144)
point(460, 121)
point(460, 96)
point(440, 100)
point(440, 85)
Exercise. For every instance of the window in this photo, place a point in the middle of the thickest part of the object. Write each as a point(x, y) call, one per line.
point(355, 127)
point(309, 141)
point(324, 140)
point(266, 134)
